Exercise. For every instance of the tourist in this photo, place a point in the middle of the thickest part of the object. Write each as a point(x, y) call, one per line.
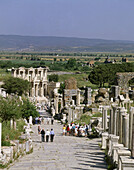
point(47, 135)
point(40, 120)
point(52, 121)
point(64, 130)
point(86, 130)
point(42, 135)
point(51, 135)
point(39, 129)
point(67, 130)
point(48, 120)
point(36, 120)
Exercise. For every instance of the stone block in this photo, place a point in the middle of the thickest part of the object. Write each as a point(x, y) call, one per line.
point(8, 151)
point(27, 146)
point(122, 152)
point(104, 140)
point(126, 163)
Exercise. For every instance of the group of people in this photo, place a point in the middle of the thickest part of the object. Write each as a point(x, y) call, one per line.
point(45, 135)
point(41, 120)
point(76, 130)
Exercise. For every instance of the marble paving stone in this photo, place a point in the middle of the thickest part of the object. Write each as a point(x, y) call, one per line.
point(65, 153)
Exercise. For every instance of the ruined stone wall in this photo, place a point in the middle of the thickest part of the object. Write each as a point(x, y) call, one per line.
point(123, 79)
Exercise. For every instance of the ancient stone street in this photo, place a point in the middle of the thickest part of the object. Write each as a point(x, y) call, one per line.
point(65, 153)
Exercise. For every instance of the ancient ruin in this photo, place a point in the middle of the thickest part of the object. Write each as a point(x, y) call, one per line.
point(38, 79)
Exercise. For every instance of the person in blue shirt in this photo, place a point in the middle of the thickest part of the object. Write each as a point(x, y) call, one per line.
point(51, 135)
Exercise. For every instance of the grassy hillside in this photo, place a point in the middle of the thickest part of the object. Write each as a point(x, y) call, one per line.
point(62, 44)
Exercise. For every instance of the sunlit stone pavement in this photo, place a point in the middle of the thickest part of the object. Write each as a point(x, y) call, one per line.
point(65, 153)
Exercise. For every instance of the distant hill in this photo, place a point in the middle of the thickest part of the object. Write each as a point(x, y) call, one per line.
point(62, 44)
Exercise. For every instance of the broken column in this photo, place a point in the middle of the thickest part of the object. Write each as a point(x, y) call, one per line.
point(88, 96)
point(78, 97)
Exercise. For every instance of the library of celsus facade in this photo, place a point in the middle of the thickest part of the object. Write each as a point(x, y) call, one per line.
point(38, 79)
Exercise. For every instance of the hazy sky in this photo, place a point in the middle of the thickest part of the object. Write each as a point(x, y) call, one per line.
point(106, 19)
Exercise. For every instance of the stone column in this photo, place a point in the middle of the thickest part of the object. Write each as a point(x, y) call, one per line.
point(114, 119)
point(24, 74)
point(11, 123)
point(36, 90)
point(117, 122)
point(126, 130)
point(41, 74)
point(78, 97)
point(0, 138)
point(30, 120)
point(69, 115)
point(88, 96)
point(45, 89)
point(132, 147)
point(105, 120)
point(104, 140)
point(111, 122)
point(42, 90)
point(14, 73)
point(130, 126)
point(56, 104)
point(14, 125)
point(33, 90)
point(121, 113)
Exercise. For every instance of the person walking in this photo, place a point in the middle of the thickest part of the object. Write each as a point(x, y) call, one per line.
point(64, 130)
point(47, 135)
point(39, 129)
point(51, 135)
point(42, 135)
point(52, 121)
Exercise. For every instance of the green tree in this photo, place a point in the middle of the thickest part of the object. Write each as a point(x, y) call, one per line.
point(10, 108)
point(62, 87)
point(53, 77)
point(28, 109)
point(16, 85)
point(71, 64)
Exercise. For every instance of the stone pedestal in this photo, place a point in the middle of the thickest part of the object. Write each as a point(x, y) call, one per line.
point(114, 152)
point(122, 152)
point(104, 139)
point(113, 140)
point(30, 120)
point(126, 163)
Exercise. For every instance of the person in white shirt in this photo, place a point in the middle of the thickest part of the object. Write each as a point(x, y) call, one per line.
point(47, 135)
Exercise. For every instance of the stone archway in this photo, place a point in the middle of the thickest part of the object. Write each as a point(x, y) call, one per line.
point(123, 79)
